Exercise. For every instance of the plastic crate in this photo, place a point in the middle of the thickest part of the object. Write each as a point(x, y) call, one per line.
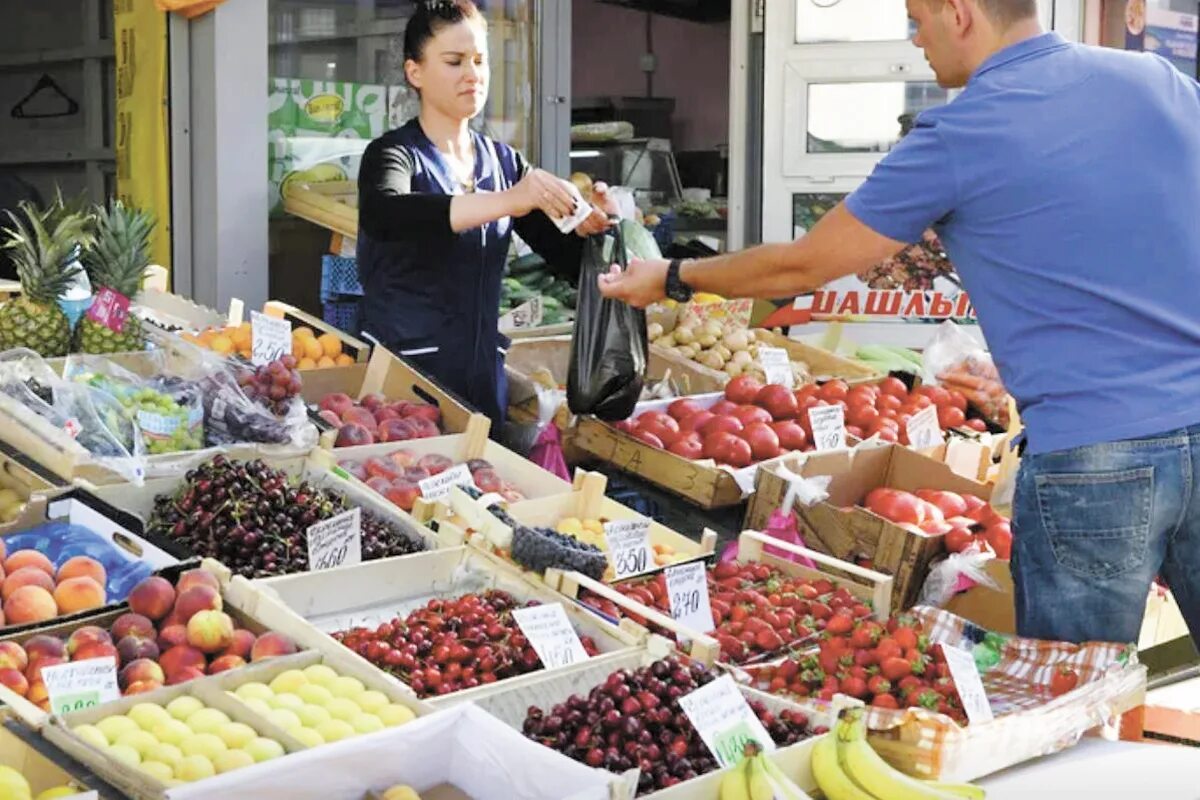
point(339, 276)
point(342, 314)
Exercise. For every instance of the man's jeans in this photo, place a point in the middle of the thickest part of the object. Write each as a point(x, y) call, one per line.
point(1094, 525)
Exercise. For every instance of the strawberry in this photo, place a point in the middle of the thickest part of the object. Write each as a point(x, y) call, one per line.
point(855, 687)
point(860, 611)
point(1065, 679)
point(909, 682)
point(922, 698)
point(905, 636)
point(789, 668)
point(887, 648)
point(768, 640)
point(725, 570)
point(858, 672)
point(839, 624)
point(821, 611)
point(865, 658)
point(884, 701)
point(879, 685)
point(895, 668)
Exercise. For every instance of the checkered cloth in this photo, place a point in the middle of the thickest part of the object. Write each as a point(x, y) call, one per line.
point(1029, 722)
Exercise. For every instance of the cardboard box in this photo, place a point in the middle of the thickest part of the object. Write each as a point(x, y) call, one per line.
point(840, 527)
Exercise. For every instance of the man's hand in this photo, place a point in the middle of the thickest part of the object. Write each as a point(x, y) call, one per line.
point(604, 205)
point(639, 285)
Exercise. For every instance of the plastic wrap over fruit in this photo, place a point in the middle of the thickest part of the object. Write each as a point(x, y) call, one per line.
point(956, 361)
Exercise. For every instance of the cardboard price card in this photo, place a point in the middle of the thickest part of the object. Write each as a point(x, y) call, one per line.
point(110, 309)
point(550, 635)
point(828, 427)
point(687, 591)
point(968, 684)
point(438, 486)
point(81, 684)
point(526, 315)
point(924, 432)
point(777, 364)
point(629, 547)
point(270, 338)
point(336, 542)
point(724, 720)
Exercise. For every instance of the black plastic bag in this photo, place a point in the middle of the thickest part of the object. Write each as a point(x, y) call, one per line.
point(609, 349)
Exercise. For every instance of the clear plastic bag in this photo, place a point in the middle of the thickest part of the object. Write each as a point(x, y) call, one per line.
point(955, 360)
point(547, 450)
point(957, 573)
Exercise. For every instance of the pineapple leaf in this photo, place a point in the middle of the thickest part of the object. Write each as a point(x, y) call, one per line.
point(44, 243)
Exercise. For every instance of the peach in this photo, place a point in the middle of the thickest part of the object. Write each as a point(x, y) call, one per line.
point(210, 631)
point(403, 458)
point(14, 681)
point(134, 625)
point(96, 650)
point(131, 648)
point(141, 670)
point(197, 577)
point(424, 411)
point(38, 695)
point(13, 656)
point(172, 635)
point(141, 687)
point(372, 402)
point(403, 494)
point(184, 675)
point(196, 599)
point(337, 403)
point(272, 644)
point(385, 413)
point(45, 645)
point(397, 430)
point(181, 657)
point(83, 567)
point(3, 550)
point(78, 594)
point(34, 673)
point(28, 558)
point(88, 633)
point(332, 419)
point(436, 463)
point(26, 576)
point(243, 641)
point(223, 663)
point(360, 416)
point(30, 604)
point(153, 598)
point(353, 435)
point(171, 619)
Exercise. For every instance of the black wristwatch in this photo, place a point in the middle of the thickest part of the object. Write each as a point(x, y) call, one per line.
point(676, 289)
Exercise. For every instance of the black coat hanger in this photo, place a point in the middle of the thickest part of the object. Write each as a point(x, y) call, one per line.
point(45, 82)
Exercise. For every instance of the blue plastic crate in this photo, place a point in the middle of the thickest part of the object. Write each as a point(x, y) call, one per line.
point(339, 276)
point(342, 314)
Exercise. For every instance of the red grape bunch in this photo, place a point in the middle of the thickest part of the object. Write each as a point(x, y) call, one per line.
point(273, 384)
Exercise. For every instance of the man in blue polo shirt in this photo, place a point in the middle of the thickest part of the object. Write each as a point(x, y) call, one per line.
point(1065, 184)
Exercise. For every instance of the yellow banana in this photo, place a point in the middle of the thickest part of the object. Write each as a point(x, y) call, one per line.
point(785, 787)
point(733, 785)
point(967, 790)
point(757, 780)
point(834, 782)
point(866, 768)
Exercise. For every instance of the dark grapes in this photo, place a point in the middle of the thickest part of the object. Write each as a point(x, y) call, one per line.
point(252, 518)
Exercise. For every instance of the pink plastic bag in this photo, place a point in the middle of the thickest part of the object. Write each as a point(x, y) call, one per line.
point(547, 452)
point(780, 526)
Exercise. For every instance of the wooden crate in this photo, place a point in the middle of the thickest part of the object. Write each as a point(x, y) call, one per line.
point(375, 592)
point(28, 479)
point(840, 528)
point(43, 765)
point(866, 585)
point(332, 205)
point(177, 311)
point(587, 501)
point(357, 349)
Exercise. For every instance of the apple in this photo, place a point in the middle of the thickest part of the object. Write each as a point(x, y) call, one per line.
point(791, 435)
point(681, 409)
point(649, 438)
point(748, 414)
point(689, 446)
point(694, 422)
point(721, 424)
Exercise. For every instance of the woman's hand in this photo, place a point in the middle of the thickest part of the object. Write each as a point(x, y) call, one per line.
point(604, 205)
point(542, 190)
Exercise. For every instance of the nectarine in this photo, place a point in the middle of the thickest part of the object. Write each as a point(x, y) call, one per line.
point(88, 633)
point(153, 598)
point(210, 631)
point(83, 567)
point(197, 577)
point(15, 681)
point(170, 636)
point(133, 625)
point(30, 604)
point(25, 576)
point(243, 641)
point(181, 657)
point(45, 645)
point(131, 648)
point(13, 656)
point(78, 594)
point(96, 650)
point(141, 670)
point(195, 599)
point(225, 663)
point(272, 644)
point(184, 675)
point(28, 558)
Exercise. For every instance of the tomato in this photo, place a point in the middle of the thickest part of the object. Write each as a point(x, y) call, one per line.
point(1065, 679)
point(888, 402)
point(951, 504)
point(862, 416)
point(836, 389)
point(958, 539)
point(977, 425)
point(722, 408)
point(936, 394)
point(999, 537)
point(893, 387)
point(957, 400)
point(742, 390)
point(887, 435)
point(897, 506)
point(951, 417)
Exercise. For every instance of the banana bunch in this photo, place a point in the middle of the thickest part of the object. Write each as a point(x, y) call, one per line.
point(846, 768)
point(757, 777)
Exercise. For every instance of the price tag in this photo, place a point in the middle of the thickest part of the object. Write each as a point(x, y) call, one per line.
point(968, 683)
point(439, 485)
point(270, 338)
point(81, 684)
point(550, 635)
point(923, 429)
point(687, 590)
point(336, 542)
point(828, 427)
point(526, 315)
point(629, 546)
point(777, 364)
point(724, 720)
point(110, 309)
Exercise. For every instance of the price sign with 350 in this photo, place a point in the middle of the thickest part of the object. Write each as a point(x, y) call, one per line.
point(629, 546)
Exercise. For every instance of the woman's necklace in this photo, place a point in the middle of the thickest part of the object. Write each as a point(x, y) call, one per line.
point(464, 173)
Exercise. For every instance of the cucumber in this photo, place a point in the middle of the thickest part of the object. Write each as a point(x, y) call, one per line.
point(526, 264)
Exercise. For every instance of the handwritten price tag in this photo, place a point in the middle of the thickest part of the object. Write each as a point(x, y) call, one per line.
point(336, 542)
point(526, 315)
point(550, 635)
point(724, 720)
point(968, 683)
point(687, 590)
point(777, 364)
point(270, 338)
point(81, 684)
point(828, 427)
point(439, 485)
point(629, 547)
point(923, 429)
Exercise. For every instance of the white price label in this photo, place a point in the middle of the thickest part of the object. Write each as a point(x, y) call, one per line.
point(270, 338)
point(777, 364)
point(687, 590)
point(526, 315)
point(828, 427)
point(923, 429)
point(629, 547)
point(550, 635)
point(336, 542)
point(438, 486)
point(81, 684)
point(724, 720)
point(968, 684)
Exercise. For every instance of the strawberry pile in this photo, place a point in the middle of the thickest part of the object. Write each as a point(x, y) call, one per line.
point(888, 666)
point(757, 610)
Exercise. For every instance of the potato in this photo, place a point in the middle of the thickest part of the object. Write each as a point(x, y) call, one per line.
point(654, 331)
point(713, 328)
point(706, 340)
point(665, 341)
point(734, 368)
point(711, 359)
point(725, 352)
point(738, 340)
point(687, 350)
point(742, 357)
point(684, 335)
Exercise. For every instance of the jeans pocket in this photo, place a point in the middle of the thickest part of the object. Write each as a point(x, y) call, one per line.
point(1098, 523)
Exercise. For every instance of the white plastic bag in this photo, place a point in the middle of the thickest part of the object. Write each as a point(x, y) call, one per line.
point(956, 361)
point(956, 573)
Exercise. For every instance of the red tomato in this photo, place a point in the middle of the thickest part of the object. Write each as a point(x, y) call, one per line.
point(937, 394)
point(728, 424)
point(856, 432)
point(999, 537)
point(742, 390)
point(688, 445)
point(888, 402)
point(893, 387)
point(695, 422)
point(958, 539)
point(977, 425)
point(950, 417)
point(887, 435)
point(791, 435)
point(958, 400)
point(862, 415)
point(836, 389)
point(896, 505)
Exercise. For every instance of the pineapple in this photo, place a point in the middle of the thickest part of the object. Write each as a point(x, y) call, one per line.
point(42, 244)
point(117, 260)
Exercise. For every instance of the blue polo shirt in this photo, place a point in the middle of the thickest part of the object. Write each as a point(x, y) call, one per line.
point(1065, 184)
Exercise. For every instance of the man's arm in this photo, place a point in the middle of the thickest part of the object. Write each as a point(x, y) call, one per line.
point(837, 245)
